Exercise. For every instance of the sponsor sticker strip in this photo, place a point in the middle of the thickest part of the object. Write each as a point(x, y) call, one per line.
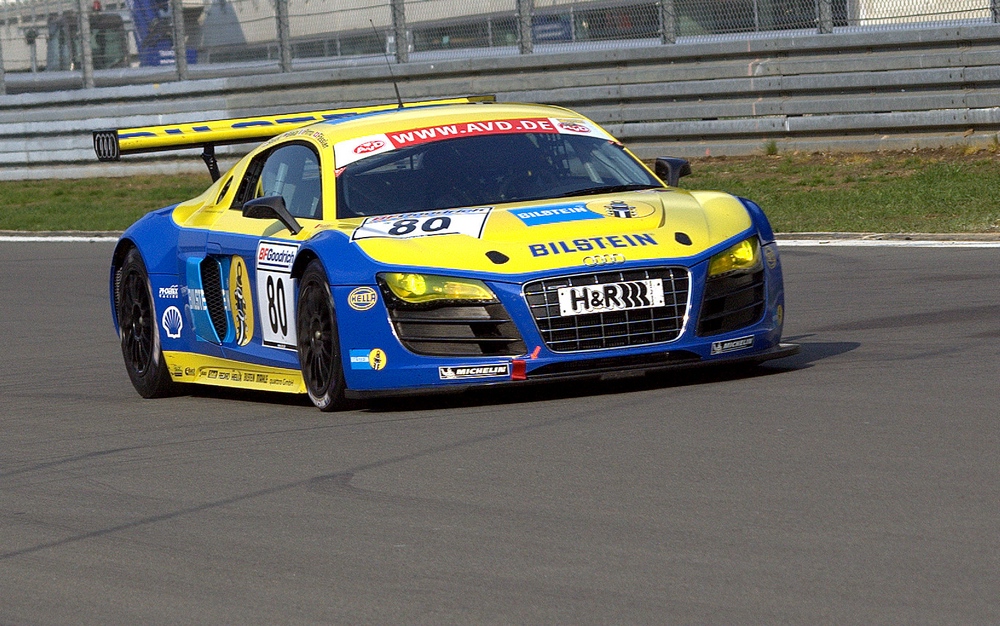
point(365, 359)
point(348, 152)
point(276, 293)
point(460, 372)
point(732, 345)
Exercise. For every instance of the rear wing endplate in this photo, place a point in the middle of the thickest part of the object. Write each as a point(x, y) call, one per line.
point(111, 145)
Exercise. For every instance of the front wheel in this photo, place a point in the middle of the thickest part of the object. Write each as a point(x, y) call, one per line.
point(140, 337)
point(318, 344)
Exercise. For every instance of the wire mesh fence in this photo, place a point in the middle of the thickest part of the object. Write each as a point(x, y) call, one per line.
point(50, 36)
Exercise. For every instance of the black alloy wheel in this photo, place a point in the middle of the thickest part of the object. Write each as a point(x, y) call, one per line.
point(139, 334)
point(318, 344)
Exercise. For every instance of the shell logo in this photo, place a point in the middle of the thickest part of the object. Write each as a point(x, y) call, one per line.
point(369, 146)
point(172, 322)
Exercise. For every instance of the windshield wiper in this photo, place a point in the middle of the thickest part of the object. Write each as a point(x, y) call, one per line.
point(593, 191)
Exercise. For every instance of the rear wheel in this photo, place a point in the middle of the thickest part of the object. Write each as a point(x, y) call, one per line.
point(140, 337)
point(318, 344)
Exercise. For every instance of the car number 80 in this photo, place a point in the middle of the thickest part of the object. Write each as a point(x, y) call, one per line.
point(405, 226)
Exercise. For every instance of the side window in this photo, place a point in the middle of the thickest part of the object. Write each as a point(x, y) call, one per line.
point(292, 172)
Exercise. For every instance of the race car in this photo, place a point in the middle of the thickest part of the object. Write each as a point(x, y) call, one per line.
point(434, 245)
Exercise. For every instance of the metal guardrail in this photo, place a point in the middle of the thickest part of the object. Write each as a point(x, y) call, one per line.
point(842, 91)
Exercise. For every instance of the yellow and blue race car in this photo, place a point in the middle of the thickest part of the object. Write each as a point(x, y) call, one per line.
point(434, 245)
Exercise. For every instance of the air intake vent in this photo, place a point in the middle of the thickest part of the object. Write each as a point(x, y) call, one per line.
point(215, 299)
point(731, 303)
point(454, 329)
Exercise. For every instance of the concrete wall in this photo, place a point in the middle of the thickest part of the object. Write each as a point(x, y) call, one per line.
point(867, 91)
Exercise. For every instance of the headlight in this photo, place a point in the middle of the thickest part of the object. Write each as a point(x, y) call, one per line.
point(743, 257)
point(424, 288)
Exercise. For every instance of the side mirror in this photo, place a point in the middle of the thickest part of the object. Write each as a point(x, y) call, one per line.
point(271, 208)
point(671, 169)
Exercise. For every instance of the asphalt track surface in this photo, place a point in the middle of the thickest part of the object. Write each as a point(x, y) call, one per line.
point(858, 482)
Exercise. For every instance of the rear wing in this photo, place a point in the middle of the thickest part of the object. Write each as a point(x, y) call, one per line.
point(111, 145)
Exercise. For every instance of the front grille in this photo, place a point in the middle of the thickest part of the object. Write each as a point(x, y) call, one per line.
point(731, 303)
point(615, 329)
point(215, 301)
point(455, 329)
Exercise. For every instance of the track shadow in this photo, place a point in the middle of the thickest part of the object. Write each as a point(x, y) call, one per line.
point(810, 353)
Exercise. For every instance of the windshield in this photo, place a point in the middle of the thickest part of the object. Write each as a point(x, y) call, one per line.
point(486, 170)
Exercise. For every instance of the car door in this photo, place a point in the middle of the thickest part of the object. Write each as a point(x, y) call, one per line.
point(249, 305)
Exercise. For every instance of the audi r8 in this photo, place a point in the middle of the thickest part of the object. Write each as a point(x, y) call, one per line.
point(434, 245)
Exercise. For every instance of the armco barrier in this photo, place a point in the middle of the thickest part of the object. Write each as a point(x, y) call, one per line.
point(862, 91)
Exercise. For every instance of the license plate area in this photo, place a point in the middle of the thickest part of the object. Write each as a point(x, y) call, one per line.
point(610, 297)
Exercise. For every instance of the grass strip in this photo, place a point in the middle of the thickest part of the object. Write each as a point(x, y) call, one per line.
point(942, 191)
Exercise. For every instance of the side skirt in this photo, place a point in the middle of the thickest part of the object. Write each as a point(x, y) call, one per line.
point(187, 367)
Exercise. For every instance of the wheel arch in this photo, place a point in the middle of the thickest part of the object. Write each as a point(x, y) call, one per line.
point(122, 248)
point(302, 262)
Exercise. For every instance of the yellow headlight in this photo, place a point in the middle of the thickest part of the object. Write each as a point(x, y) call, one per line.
point(743, 256)
point(421, 288)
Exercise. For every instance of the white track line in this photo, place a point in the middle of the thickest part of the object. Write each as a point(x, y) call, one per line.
point(55, 239)
point(783, 243)
point(883, 243)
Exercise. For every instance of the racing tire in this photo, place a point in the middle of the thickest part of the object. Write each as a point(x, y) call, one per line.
point(318, 342)
point(140, 335)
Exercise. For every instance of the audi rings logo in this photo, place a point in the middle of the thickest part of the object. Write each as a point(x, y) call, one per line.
point(106, 145)
point(603, 259)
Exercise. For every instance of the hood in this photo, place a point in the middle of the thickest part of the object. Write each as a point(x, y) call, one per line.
point(545, 235)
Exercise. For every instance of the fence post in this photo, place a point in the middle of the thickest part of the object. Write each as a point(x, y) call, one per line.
point(668, 22)
point(824, 9)
point(180, 39)
point(524, 10)
point(3, 80)
point(284, 37)
point(399, 31)
point(85, 50)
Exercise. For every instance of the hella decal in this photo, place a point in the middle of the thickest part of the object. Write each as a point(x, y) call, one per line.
point(771, 256)
point(362, 298)
point(732, 345)
point(591, 244)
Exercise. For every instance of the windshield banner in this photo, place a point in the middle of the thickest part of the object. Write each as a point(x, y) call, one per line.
point(348, 152)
